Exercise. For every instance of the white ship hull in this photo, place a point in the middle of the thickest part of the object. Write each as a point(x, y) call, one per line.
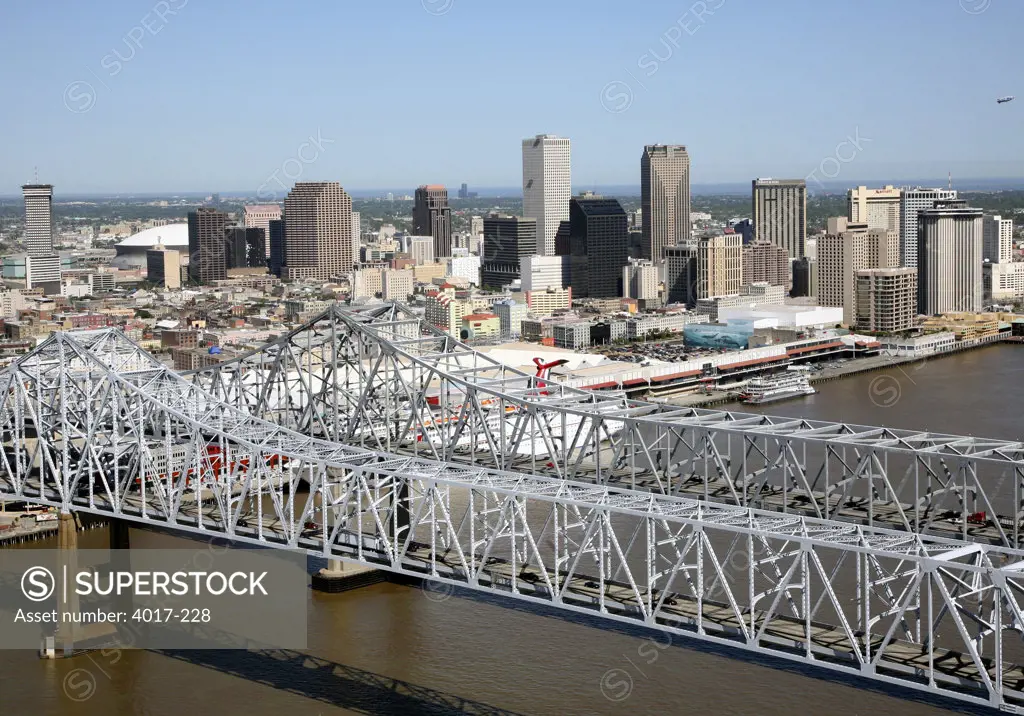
point(772, 389)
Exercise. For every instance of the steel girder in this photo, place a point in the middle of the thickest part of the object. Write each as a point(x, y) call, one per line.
point(386, 380)
point(91, 423)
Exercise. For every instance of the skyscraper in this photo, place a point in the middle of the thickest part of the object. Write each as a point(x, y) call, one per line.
point(260, 216)
point(547, 186)
point(805, 277)
point(256, 247)
point(950, 239)
point(846, 249)
point(764, 262)
point(886, 299)
point(719, 265)
point(357, 235)
point(681, 274)
point(599, 240)
point(42, 265)
point(318, 231)
point(912, 201)
point(432, 216)
point(665, 198)
point(208, 260)
point(420, 248)
point(780, 213)
point(236, 247)
point(878, 208)
point(276, 240)
point(640, 280)
point(508, 240)
point(998, 240)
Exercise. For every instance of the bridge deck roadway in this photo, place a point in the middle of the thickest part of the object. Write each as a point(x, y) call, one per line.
point(858, 510)
point(904, 663)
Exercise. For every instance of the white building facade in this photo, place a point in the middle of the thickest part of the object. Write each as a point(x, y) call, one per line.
point(547, 186)
point(912, 201)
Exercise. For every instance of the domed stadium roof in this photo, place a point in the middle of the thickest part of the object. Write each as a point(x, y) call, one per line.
point(131, 253)
point(173, 236)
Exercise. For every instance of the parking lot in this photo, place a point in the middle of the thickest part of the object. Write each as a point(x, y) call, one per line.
point(655, 351)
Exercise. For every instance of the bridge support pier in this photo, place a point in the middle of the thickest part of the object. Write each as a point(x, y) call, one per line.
point(119, 538)
point(340, 576)
point(62, 643)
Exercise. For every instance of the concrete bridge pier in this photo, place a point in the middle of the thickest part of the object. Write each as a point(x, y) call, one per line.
point(340, 576)
point(119, 538)
point(70, 636)
point(62, 643)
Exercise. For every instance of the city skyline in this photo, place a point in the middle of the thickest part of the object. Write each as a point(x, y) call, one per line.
point(80, 88)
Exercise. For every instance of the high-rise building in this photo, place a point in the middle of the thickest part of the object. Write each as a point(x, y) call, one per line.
point(276, 238)
point(507, 241)
point(846, 249)
point(599, 240)
point(163, 267)
point(208, 260)
point(465, 267)
point(357, 235)
point(236, 249)
point(640, 280)
point(547, 186)
point(664, 198)
point(420, 248)
point(997, 240)
point(805, 277)
point(681, 274)
point(912, 201)
point(257, 245)
point(950, 238)
point(260, 216)
point(744, 227)
point(38, 219)
point(540, 273)
point(780, 213)
point(719, 265)
point(432, 215)
point(42, 264)
point(318, 231)
point(878, 208)
point(476, 225)
point(1002, 282)
point(764, 262)
point(245, 247)
point(563, 245)
point(886, 299)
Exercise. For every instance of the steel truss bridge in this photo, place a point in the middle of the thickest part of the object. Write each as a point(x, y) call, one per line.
point(92, 423)
point(386, 380)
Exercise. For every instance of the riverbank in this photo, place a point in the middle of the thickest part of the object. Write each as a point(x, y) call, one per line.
point(832, 372)
point(20, 527)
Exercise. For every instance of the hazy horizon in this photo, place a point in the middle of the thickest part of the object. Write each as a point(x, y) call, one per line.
point(967, 184)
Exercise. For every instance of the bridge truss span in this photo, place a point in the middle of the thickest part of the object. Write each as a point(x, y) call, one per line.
point(91, 423)
point(385, 380)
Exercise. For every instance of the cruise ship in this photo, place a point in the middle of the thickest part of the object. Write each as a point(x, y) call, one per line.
point(770, 388)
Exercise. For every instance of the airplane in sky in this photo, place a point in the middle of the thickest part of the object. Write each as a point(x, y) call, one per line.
point(1003, 100)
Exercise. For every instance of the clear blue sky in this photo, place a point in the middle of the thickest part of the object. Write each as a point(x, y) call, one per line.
point(222, 93)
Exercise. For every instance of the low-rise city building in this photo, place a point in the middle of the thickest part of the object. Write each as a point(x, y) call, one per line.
point(480, 325)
